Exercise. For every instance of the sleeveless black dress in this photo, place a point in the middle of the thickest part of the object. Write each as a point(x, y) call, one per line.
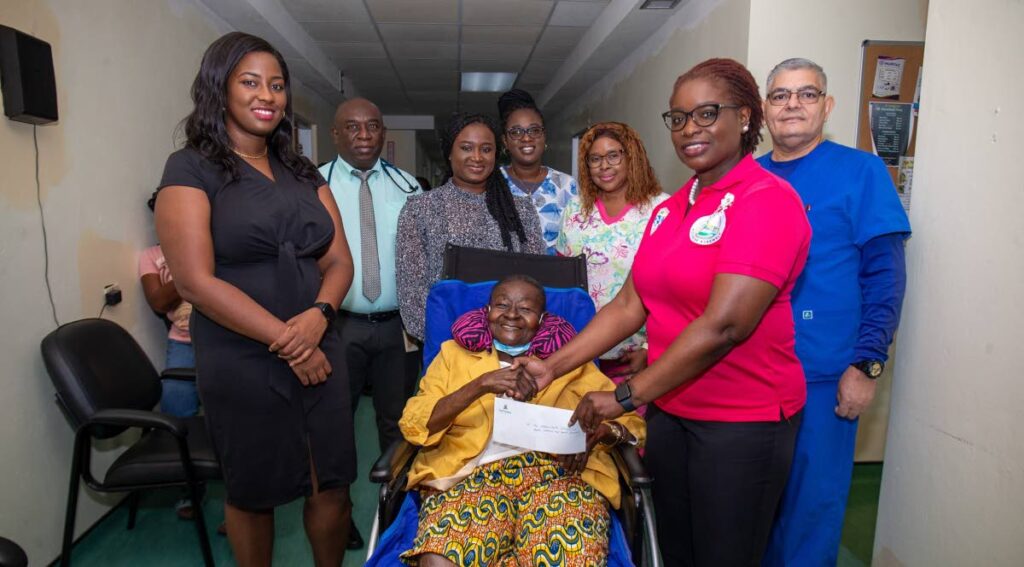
point(267, 237)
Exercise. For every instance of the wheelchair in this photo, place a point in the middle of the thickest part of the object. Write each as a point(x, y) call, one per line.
point(468, 276)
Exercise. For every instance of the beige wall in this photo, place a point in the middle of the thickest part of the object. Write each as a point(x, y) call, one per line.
point(830, 33)
point(953, 484)
point(638, 91)
point(405, 149)
point(123, 72)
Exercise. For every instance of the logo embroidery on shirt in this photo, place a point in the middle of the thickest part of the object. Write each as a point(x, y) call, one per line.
point(659, 218)
point(708, 229)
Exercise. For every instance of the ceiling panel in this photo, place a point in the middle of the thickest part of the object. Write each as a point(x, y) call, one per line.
point(514, 55)
point(427, 65)
point(539, 71)
point(343, 51)
point(341, 32)
point(423, 50)
point(578, 14)
point(327, 10)
point(507, 35)
point(557, 42)
point(420, 32)
point(430, 80)
point(420, 11)
point(491, 12)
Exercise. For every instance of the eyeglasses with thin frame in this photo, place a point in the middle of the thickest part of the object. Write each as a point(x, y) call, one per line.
point(704, 115)
point(612, 158)
point(781, 97)
point(517, 132)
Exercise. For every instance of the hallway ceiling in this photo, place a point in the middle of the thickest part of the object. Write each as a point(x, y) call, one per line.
point(407, 55)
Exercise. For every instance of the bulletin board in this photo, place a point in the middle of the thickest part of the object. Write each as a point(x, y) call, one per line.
point(890, 93)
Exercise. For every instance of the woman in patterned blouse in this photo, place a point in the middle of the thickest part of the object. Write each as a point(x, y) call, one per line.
point(550, 190)
point(618, 191)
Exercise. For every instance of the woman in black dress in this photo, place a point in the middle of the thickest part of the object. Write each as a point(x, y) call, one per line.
point(254, 238)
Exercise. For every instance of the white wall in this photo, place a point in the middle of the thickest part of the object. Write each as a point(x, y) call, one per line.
point(637, 91)
point(953, 484)
point(123, 72)
point(405, 149)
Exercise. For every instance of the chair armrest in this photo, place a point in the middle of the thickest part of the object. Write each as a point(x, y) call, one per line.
point(391, 461)
point(139, 418)
point(638, 475)
point(186, 374)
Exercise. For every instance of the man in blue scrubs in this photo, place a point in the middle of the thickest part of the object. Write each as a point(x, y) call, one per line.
point(370, 193)
point(846, 304)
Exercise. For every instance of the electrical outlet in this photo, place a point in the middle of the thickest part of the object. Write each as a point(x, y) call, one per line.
point(111, 294)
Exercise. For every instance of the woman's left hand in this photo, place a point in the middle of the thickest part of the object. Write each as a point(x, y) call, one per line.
point(636, 359)
point(301, 336)
point(594, 408)
point(573, 465)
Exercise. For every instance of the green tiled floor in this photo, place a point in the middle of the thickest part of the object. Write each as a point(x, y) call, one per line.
point(161, 540)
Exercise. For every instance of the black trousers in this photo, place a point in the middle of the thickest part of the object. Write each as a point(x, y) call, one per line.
point(376, 355)
point(716, 486)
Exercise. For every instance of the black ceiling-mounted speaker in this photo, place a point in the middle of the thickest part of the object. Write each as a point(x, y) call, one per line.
point(26, 77)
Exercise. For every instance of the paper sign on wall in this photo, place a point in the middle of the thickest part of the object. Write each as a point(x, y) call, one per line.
point(888, 77)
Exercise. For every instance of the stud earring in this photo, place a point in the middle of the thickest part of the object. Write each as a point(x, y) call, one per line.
point(746, 127)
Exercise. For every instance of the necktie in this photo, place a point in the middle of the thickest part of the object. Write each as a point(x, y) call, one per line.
point(368, 238)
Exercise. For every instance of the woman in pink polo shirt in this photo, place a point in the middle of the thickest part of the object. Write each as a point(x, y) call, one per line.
point(712, 281)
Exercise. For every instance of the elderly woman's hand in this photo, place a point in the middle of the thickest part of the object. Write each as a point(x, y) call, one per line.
point(594, 408)
point(538, 369)
point(501, 382)
point(572, 464)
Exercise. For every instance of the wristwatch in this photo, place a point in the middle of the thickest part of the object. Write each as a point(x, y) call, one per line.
point(624, 395)
point(327, 309)
point(872, 368)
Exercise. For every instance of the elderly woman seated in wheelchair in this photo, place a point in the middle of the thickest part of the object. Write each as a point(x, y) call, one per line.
point(485, 503)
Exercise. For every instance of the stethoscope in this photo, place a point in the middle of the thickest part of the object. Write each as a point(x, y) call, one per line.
point(384, 165)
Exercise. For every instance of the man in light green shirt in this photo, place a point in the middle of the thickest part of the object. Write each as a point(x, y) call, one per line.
point(371, 328)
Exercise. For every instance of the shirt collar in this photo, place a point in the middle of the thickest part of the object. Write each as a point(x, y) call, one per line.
point(737, 175)
point(343, 165)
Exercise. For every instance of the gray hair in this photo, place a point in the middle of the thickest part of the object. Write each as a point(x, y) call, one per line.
point(795, 64)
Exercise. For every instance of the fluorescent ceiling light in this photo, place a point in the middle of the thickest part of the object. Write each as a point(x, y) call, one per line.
point(487, 82)
point(659, 4)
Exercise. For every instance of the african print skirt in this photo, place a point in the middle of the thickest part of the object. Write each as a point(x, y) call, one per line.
point(521, 510)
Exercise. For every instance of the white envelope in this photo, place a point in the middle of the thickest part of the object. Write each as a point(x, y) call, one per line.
point(537, 428)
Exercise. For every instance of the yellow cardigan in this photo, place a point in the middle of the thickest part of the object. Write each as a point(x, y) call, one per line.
point(448, 450)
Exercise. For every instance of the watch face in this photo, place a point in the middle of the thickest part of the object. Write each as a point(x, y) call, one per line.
point(875, 369)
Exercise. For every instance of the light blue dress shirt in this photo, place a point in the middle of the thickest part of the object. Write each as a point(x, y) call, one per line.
point(388, 198)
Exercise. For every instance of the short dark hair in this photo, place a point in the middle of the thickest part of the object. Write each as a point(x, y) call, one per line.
point(525, 279)
point(742, 88)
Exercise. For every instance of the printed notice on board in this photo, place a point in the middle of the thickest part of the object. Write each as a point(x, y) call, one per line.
point(905, 180)
point(888, 77)
point(891, 127)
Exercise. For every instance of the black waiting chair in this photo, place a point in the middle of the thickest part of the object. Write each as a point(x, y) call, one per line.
point(106, 384)
point(12, 555)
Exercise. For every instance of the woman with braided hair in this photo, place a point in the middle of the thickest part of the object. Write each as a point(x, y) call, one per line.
point(473, 208)
point(712, 280)
point(524, 137)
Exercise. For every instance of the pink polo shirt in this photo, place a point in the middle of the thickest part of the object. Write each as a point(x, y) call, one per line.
point(765, 235)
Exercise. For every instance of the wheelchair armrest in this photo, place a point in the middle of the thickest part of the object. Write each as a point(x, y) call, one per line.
point(638, 475)
point(391, 461)
point(138, 418)
point(186, 374)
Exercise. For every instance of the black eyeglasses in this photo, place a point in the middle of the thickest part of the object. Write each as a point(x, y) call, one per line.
point(516, 132)
point(613, 157)
point(703, 116)
point(781, 97)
